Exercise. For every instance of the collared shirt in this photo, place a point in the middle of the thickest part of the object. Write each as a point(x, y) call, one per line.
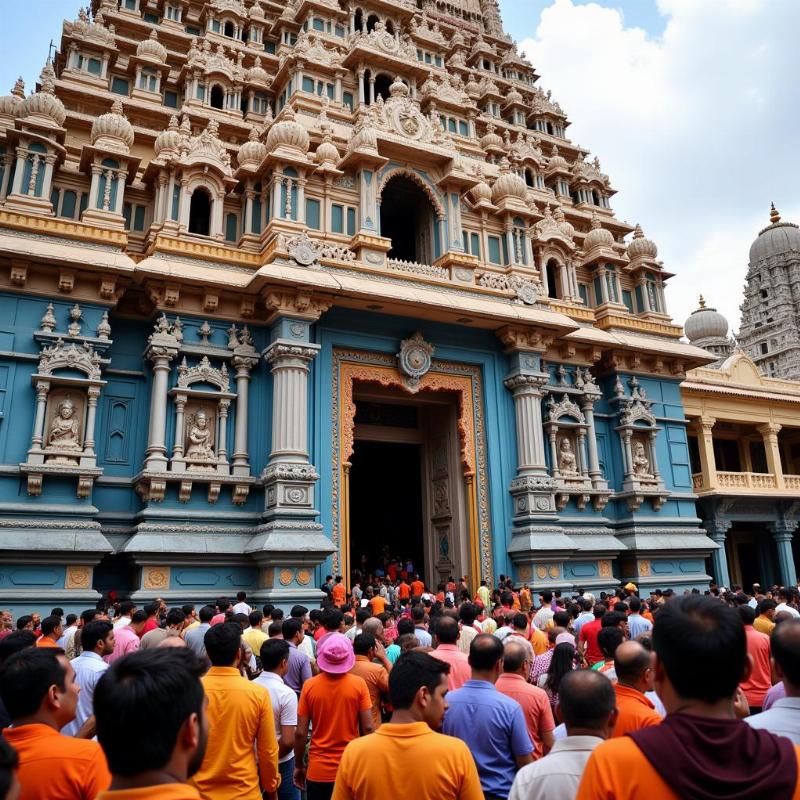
point(535, 706)
point(493, 727)
point(88, 668)
point(783, 719)
point(460, 670)
point(764, 624)
point(57, 767)
point(543, 618)
point(284, 704)
point(125, 641)
point(423, 637)
point(442, 767)
point(62, 642)
point(557, 775)
point(638, 624)
point(777, 692)
point(121, 622)
point(635, 711)
point(581, 620)
point(195, 639)
point(164, 791)
point(299, 669)
point(241, 728)
point(377, 680)
point(468, 633)
point(254, 638)
point(785, 607)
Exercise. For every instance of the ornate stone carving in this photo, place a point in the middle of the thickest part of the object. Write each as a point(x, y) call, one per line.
point(155, 578)
point(307, 251)
point(203, 372)
point(199, 441)
point(61, 356)
point(63, 435)
point(414, 359)
point(78, 577)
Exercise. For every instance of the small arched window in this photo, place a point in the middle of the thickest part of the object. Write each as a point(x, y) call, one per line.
point(372, 20)
point(200, 212)
point(390, 26)
point(553, 279)
point(529, 179)
point(358, 20)
point(217, 96)
point(228, 30)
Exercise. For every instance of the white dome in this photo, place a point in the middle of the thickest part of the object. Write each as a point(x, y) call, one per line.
point(253, 151)
point(11, 104)
point(112, 131)
point(44, 105)
point(152, 49)
point(705, 323)
point(641, 246)
point(509, 184)
point(326, 152)
point(288, 133)
point(257, 73)
point(776, 239)
point(598, 236)
point(169, 139)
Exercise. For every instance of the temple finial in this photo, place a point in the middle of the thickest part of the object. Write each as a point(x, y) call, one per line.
point(774, 216)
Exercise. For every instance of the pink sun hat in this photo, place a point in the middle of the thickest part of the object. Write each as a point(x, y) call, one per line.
point(335, 654)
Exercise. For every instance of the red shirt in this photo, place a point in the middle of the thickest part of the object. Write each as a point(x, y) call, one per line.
point(588, 634)
point(759, 683)
point(151, 625)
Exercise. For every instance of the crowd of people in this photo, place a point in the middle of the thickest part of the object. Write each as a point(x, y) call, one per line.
point(444, 693)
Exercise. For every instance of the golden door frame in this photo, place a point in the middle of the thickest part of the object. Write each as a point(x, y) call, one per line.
point(352, 367)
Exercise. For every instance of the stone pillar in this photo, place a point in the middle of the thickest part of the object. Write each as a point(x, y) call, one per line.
point(717, 528)
point(93, 395)
point(591, 395)
point(162, 348)
point(222, 448)
point(42, 390)
point(705, 440)
point(177, 447)
point(782, 532)
point(769, 431)
point(241, 458)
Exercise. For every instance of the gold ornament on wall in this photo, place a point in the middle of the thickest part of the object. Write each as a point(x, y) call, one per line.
point(78, 578)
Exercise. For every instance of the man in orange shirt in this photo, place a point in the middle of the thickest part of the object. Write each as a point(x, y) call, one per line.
point(367, 649)
point(338, 592)
point(52, 630)
point(702, 748)
point(377, 605)
point(241, 725)
point(38, 689)
point(339, 708)
point(159, 695)
point(403, 591)
point(535, 703)
point(759, 682)
point(634, 669)
point(437, 767)
point(417, 587)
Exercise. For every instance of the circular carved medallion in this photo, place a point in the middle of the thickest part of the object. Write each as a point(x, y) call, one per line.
point(285, 576)
point(303, 577)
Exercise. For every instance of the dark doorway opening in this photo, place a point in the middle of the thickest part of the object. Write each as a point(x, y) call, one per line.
point(407, 219)
point(200, 212)
point(385, 505)
point(217, 96)
point(382, 84)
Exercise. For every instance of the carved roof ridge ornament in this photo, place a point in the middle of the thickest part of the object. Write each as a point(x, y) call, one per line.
point(307, 251)
point(414, 360)
point(207, 149)
point(203, 372)
point(565, 407)
point(61, 356)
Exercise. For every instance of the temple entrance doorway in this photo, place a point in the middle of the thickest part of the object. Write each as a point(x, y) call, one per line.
point(406, 485)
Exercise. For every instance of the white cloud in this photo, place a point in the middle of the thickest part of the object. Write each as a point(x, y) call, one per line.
point(697, 127)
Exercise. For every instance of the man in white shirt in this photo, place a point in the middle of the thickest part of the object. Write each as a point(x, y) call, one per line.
point(544, 616)
point(585, 616)
point(97, 640)
point(275, 663)
point(588, 705)
point(784, 598)
point(241, 606)
point(126, 610)
point(307, 646)
point(69, 631)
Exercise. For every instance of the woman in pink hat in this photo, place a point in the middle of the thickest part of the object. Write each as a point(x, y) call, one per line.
point(338, 706)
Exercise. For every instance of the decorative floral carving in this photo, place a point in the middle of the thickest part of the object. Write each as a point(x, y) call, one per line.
point(203, 372)
point(61, 356)
point(414, 359)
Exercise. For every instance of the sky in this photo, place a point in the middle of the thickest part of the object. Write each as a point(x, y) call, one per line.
point(692, 107)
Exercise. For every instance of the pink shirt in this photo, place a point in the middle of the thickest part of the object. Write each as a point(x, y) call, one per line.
point(218, 619)
point(535, 707)
point(460, 670)
point(125, 641)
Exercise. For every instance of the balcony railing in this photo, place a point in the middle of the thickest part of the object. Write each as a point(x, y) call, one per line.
point(746, 481)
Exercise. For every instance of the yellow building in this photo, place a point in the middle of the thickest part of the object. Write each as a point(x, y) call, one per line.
point(744, 443)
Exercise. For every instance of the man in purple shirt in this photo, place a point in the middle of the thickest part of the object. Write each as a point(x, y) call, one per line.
point(491, 724)
point(299, 669)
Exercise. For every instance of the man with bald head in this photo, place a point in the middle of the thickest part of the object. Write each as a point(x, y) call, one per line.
point(634, 667)
point(445, 635)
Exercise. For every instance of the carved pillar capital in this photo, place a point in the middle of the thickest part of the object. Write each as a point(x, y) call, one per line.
point(299, 303)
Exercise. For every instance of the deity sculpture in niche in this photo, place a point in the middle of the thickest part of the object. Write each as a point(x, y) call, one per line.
point(63, 444)
point(567, 464)
point(200, 442)
point(641, 464)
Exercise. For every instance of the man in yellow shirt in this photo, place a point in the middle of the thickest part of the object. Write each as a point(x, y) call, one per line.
point(158, 694)
point(254, 637)
point(765, 621)
point(443, 768)
point(241, 725)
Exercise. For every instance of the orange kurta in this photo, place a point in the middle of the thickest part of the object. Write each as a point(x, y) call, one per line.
point(635, 711)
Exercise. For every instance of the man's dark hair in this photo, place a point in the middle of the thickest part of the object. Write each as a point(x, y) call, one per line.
point(514, 656)
point(241, 596)
point(586, 604)
point(93, 633)
point(49, 624)
point(765, 605)
point(561, 619)
point(14, 642)
point(24, 620)
point(291, 627)
point(485, 650)
point(446, 630)
point(468, 613)
point(785, 642)
point(151, 608)
point(139, 616)
point(187, 609)
point(8, 763)
point(276, 614)
point(411, 672)
point(255, 617)
point(612, 619)
point(362, 615)
point(125, 607)
point(547, 596)
point(207, 613)
point(331, 619)
point(240, 619)
point(223, 604)
point(621, 607)
point(175, 617)
point(609, 639)
point(71, 619)
point(145, 697)
point(57, 612)
point(586, 698)
point(26, 677)
point(298, 611)
point(404, 626)
point(635, 605)
point(701, 643)
point(222, 643)
point(266, 609)
point(747, 614)
point(520, 621)
point(599, 610)
point(89, 615)
point(363, 643)
point(315, 615)
point(272, 652)
point(418, 614)
point(275, 629)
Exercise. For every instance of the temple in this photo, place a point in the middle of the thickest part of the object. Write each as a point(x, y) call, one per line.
point(284, 286)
